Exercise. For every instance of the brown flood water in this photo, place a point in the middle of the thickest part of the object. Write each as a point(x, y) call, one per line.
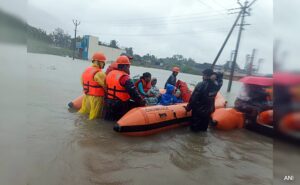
point(41, 142)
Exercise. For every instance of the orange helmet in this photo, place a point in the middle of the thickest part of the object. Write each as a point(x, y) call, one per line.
point(176, 69)
point(123, 60)
point(99, 57)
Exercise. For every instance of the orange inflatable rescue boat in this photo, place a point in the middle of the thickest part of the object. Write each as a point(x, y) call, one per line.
point(76, 103)
point(228, 119)
point(265, 118)
point(144, 121)
point(290, 123)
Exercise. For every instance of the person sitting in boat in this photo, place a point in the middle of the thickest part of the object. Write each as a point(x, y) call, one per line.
point(169, 98)
point(153, 94)
point(93, 82)
point(202, 101)
point(144, 84)
point(172, 79)
point(122, 95)
point(252, 100)
point(185, 92)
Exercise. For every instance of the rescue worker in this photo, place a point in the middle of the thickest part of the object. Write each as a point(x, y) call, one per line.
point(114, 65)
point(144, 84)
point(252, 100)
point(121, 92)
point(93, 82)
point(202, 101)
point(172, 79)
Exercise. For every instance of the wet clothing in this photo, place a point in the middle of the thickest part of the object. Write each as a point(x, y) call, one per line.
point(185, 92)
point(143, 87)
point(90, 86)
point(154, 96)
point(199, 122)
point(122, 95)
point(252, 100)
point(92, 102)
point(202, 103)
point(168, 98)
point(154, 91)
point(116, 90)
point(93, 106)
point(115, 109)
point(171, 80)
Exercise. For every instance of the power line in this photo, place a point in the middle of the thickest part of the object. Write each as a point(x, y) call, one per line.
point(206, 13)
point(165, 23)
point(219, 4)
point(205, 4)
point(171, 23)
point(176, 20)
point(162, 34)
point(244, 12)
point(226, 40)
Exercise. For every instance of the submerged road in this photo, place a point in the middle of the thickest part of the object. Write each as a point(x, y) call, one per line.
point(41, 142)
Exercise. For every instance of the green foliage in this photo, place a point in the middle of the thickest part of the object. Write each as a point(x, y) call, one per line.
point(12, 29)
point(113, 44)
point(56, 43)
point(60, 43)
point(129, 51)
point(37, 46)
point(187, 65)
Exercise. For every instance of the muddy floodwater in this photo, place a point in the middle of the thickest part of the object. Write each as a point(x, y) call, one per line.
point(43, 143)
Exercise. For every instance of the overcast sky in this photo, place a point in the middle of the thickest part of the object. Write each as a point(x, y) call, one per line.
point(287, 29)
point(193, 28)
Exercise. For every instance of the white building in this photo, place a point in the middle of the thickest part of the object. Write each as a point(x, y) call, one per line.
point(90, 45)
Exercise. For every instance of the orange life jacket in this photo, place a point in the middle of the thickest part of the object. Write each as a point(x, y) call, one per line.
point(90, 86)
point(115, 90)
point(270, 94)
point(146, 86)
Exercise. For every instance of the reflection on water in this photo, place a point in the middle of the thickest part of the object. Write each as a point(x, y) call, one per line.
point(61, 147)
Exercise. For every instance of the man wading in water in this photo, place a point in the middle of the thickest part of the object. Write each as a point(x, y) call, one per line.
point(202, 102)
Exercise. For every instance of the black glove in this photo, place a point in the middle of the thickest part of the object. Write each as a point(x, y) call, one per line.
point(187, 108)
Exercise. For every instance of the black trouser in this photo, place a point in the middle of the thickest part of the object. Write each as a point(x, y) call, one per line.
point(115, 109)
point(199, 122)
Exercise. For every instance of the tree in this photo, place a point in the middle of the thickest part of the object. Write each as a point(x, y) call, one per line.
point(129, 51)
point(61, 39)
point(113, 44)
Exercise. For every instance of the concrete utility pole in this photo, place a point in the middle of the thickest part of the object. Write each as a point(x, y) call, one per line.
point(76, 23)
point(244, 11)
point(251, 62)
point(227, 38)
point(260, 61)
point(232, 55)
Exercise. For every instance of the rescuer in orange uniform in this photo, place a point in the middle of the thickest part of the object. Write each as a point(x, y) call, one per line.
point(93, 82)
point(122, 95)
point(114, 65)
